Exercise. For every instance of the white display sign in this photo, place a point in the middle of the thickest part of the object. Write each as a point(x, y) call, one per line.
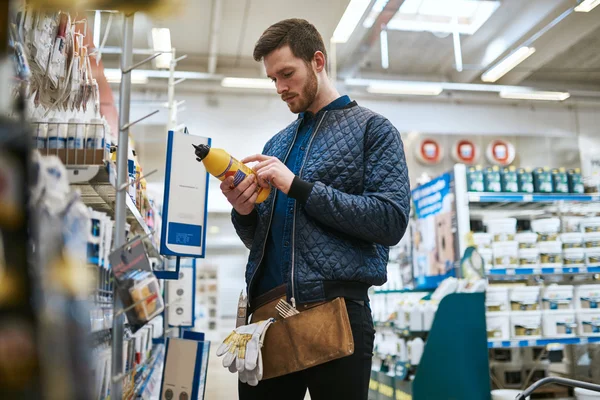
point(185, 199)
point(181, 298)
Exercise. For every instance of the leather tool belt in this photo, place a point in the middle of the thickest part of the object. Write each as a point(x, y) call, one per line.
point(318, 334)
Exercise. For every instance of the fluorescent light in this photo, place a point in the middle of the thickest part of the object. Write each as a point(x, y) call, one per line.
point(508, 63)
point(161, 41)
point(385, 59)
point(587, 5)
point(114, 76)
point(374, 13)
point(443, 16)
point(348, 22)
point(247, 83)
point(97, 23)
point(535, 95)
point(416, 89)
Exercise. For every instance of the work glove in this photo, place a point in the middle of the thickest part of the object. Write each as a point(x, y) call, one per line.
point(242, 350)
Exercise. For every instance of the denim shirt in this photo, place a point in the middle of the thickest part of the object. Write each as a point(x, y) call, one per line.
point(278, 248)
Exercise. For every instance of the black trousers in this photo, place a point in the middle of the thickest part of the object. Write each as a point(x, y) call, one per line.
point(346, 378)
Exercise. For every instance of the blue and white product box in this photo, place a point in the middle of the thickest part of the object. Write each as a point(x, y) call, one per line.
point(185, 198)
point(184, 374)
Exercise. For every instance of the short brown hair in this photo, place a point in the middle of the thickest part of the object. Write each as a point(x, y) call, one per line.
point(302, 37)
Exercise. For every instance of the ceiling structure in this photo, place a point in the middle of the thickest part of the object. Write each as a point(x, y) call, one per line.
point(218, 37)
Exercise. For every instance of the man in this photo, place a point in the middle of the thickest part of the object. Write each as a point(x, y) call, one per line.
point(341, 198)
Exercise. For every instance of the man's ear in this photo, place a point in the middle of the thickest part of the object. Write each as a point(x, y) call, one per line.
point(319, 61)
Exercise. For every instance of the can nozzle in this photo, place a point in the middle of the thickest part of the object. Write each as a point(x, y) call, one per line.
point(201, 151)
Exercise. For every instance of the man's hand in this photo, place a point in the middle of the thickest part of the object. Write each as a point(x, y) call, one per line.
point(242, 196)
point(271, 171)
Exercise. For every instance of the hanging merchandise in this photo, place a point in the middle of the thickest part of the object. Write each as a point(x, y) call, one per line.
point(138, 287)
point(500, 152)
point(465, 151)
point(429, 151)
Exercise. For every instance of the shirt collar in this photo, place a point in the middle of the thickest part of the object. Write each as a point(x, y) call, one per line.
point(337, 104)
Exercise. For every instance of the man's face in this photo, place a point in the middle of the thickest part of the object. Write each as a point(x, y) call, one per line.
point(295, 80)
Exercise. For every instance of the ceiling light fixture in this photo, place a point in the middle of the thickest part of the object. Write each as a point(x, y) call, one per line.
point(114, 76)
point(161, 42)
point(587, 5)
point(247, 83)
point(414, 89)
point(385, 58)
point(507, 64)
point(351, 18)
point(535, 95)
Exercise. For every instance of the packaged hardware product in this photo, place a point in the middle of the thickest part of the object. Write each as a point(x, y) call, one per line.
point(558, 297)
point(503, 229)
point(505, 254)
point(498, 326)
point(488, 257)
point(525, 298)
point(529, 257)
point(527, 240)
point(560, 180)
point(589, 322)
point(492, 180)
point(588, 296)
point(526, 325)
point(525, 180)
point(510, 180)
point(542, 180)
point(475, 179)
point(222, 165)
point(574, 257)
point(551, 254)
point(572, 240)
point(496, 299)
point(547, 229)
point(589, 225)
point(559, 324)
point(591, 241)
point(592, 259)
point(575, 181)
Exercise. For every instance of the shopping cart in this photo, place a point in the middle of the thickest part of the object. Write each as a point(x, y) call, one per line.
point(558, 381)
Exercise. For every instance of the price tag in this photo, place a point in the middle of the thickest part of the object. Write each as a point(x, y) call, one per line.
point(510, 271)
point(596, 198)
point(514, 343)
point(528, 198)
point(474, 197)
point(531, 343)
point(583, 340)
point(583, 270)
point(558, 270)
point(537, 271)
point(496, 345)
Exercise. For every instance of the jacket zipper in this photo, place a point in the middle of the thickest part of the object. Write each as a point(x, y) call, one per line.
point(293, 299)
point(271, 218)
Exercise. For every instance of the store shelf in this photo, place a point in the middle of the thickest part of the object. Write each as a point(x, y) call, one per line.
point(525, 201)
point(403, 291)
point(510, 272)
point(497, 344)
point(99, 192)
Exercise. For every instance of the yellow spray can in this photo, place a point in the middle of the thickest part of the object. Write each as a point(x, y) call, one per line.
point(222, 165)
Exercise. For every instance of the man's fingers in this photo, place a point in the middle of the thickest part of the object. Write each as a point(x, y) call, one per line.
point(255, 158)
point(227, 185)
point(263, 164)
point(245, 183)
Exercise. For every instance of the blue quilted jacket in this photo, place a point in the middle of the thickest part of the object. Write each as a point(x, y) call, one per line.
point(354, 205)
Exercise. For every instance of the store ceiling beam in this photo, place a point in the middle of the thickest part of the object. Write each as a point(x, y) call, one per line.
point(500, 35)
point(557, 40)
point(358, 51)
point(215, 26)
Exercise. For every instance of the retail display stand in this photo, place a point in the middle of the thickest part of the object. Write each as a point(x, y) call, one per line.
point(459, 334)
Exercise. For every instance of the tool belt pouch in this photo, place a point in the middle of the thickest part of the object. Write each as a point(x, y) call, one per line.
point(312, 337)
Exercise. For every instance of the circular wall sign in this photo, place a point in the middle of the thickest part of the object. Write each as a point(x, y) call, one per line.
point(430, 151)
point(500, 152)
point(465, 151)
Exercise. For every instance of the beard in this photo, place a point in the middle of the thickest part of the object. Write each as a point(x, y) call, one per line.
point(307, 95)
